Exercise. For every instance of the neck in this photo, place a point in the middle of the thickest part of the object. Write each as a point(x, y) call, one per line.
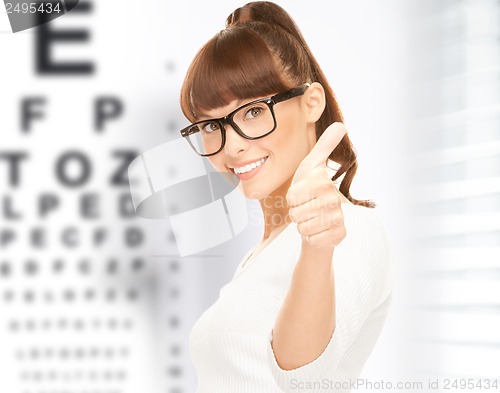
point(275, 209)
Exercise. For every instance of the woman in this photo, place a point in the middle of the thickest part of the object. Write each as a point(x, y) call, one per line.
point(306, 305)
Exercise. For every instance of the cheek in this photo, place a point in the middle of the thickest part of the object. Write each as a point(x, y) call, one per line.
point(290, 143)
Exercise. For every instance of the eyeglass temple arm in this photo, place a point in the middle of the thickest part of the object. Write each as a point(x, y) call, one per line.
point(290, 93)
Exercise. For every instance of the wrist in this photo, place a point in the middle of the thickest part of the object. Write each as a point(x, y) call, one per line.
point(316, 254)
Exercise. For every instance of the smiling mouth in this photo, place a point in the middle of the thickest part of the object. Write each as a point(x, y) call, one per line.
point(248, 167)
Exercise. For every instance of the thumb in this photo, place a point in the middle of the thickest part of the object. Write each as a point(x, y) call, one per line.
point(324, 146)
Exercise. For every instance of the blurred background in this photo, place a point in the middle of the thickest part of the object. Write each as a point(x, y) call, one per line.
point(96, 299)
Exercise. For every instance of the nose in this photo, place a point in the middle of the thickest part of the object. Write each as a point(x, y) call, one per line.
point(235, 144)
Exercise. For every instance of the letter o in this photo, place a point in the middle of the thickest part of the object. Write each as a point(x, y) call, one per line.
point(85, 170)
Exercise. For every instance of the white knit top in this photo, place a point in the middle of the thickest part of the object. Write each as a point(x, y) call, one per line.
point(230, 344)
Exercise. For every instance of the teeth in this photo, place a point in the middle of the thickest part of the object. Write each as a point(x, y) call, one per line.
point(249, 167)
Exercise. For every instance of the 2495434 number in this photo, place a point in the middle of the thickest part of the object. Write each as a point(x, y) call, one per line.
point(470, 384)
point(32, 8)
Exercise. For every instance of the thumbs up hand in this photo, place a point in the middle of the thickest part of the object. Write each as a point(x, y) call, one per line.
point(313, 198)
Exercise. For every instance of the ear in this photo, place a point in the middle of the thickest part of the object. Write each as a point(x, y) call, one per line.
point(314, 102)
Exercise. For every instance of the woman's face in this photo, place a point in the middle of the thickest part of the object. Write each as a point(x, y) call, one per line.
point(279, 153)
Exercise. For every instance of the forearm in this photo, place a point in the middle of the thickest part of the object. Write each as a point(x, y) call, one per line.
point(306, 320)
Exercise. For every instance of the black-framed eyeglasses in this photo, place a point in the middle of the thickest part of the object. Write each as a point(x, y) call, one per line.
point(252, 121)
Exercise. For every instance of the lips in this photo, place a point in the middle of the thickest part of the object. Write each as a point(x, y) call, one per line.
point(247, 166)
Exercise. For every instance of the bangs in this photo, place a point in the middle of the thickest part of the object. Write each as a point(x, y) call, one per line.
point(235, 64)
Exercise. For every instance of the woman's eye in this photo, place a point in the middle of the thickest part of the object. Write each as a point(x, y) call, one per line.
point(210, 127)
point(253, 112)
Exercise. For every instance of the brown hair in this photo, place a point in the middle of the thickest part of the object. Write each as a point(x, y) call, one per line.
point(262, 52)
